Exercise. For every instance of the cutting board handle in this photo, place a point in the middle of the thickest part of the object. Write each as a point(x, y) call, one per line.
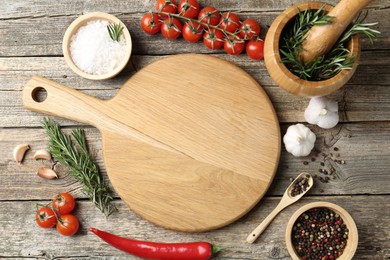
point(61, 101)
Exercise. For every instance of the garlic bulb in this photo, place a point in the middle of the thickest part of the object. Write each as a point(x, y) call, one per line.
point(323, 112)
point(299, 140)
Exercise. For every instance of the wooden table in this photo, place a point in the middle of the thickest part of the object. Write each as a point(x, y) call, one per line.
point(31, 34)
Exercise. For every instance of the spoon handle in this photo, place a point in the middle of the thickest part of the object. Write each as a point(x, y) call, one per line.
point(264, 224)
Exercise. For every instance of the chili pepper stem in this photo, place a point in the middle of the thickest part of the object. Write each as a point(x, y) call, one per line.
point(215, 249)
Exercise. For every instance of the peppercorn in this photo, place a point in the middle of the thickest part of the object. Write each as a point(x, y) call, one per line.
point(319, 233)
point(300, 185)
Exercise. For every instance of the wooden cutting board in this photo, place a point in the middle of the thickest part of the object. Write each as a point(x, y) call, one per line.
point(190, 142)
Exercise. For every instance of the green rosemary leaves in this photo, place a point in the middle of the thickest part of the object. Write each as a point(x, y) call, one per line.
point(80, 163)
point(328, 65)
point(115, 31)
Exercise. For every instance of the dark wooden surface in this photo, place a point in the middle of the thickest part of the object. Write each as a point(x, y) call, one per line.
point(31, 34)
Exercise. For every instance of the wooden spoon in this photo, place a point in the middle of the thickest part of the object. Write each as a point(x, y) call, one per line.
point(321, 38)
point(286, 200)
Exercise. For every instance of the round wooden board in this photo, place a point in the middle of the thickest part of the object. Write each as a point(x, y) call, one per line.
point(209, 144)
point(190, 142)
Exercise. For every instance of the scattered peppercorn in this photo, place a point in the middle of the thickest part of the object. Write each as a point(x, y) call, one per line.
point(324, 180)
point(319, 233)
point(300, 185)
point(305, 162)
point(336, 149)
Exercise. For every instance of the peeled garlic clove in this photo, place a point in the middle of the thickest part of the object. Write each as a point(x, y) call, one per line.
point(19, 152)
point(47, 173)
point(42, 154)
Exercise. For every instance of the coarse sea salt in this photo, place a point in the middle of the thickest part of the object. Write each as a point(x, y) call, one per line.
point(93, 51)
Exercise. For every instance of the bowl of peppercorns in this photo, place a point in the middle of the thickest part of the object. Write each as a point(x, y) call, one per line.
point(321, 230)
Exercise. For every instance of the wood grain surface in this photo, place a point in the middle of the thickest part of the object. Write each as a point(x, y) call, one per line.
point(184, 149)
point(31, 33)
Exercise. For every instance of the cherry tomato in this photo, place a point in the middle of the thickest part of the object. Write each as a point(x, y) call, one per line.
point(255, 49)
point(168, 6)
point(249, 29)
point(234, 45)
point(213, 39)
point(45, 217)
point(68, 225)
point(150, 23)
point(63, 203)
point(229, 21)
point(209, 15)
point(189, 8)
point(192, 31)
point(171, 28)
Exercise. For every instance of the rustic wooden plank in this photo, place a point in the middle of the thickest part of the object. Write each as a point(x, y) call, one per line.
point(41, 33)
point(373, 69)
point(36, 8)
point(363, 148)
point(22, 238)
point(364, 98)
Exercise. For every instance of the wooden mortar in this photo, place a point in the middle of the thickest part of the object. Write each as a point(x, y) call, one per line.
point(285, 78)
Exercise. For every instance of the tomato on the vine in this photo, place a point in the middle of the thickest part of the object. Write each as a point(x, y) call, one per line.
point(171, 28)
point(209, 15)
point(249, 29)
point(255, 49)
point(213, 39)
point(67, 225)
point(63, 203)
point(45, 217)
point(234, 45)
point(188, 8)
point(168, 6)
point(229, 22)
point(150, 23)
point(192, 31)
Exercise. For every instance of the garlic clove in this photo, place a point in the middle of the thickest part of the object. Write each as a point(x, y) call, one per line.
point(47, 173)
point(42, 154)
point(19, 152)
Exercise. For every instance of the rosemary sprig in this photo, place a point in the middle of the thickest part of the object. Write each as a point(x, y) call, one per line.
point(328, 65)
point(115, 31)
point(80, 163)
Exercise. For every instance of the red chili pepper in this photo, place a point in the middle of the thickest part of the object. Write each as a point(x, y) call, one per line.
point(159, 251)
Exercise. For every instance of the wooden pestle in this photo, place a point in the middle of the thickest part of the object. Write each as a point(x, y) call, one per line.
point(321, 38)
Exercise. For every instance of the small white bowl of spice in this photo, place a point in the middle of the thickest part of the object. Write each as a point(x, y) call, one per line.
point(97, 46)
